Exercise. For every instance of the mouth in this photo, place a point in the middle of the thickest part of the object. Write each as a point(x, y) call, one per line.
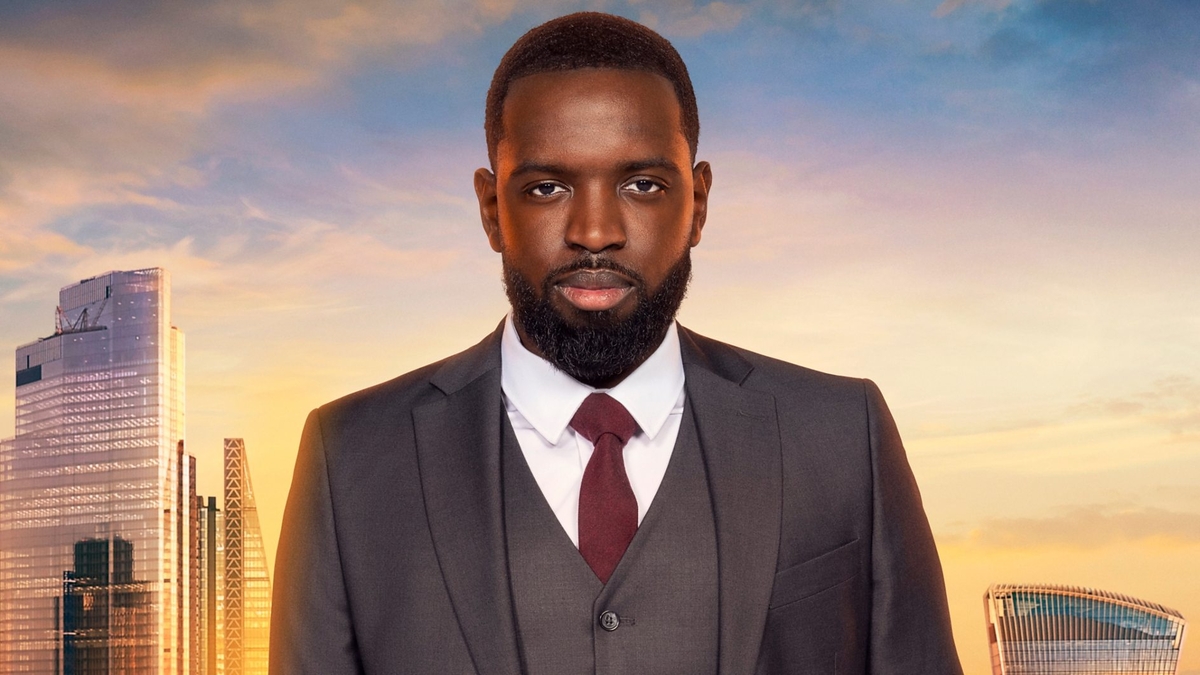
point(594, 290)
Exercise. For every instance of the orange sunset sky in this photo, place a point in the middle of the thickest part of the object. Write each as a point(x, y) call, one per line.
point(989, 207)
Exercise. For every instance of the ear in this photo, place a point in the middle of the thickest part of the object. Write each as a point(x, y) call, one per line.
point(489, 208)
point(701, 184)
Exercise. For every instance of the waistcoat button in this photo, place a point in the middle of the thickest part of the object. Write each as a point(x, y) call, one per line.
point(609, 620)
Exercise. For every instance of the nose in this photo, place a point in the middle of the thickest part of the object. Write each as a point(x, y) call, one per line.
point(596, 222)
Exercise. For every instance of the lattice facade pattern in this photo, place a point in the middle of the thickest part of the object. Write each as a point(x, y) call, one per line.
point(247, 578)
point(95, 529)
point(1061, 630)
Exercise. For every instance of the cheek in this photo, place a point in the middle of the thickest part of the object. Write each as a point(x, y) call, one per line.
point(660, 234)
point(530, 247)
point(529, 244)
point(532, 231)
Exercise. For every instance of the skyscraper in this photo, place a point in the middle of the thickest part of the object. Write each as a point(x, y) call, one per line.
point(247, 582)
point(106, 614)
point(235, 576)
point(212, 588)
point(94, 489)
point(1042, 629)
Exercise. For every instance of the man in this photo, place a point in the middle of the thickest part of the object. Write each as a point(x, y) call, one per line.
point(593, 488)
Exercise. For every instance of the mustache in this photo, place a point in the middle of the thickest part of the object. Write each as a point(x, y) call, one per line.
point(593, 262)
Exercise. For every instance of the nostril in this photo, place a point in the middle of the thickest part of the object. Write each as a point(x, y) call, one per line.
point(596, 236)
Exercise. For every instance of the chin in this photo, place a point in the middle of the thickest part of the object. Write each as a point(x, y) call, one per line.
point(604, 318)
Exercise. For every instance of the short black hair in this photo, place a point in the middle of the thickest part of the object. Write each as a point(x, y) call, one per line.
point(590, 40)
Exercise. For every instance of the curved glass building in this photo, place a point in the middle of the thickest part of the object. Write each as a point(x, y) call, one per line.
point(1038, 629)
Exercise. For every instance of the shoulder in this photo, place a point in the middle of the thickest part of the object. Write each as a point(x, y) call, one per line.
point(391, 402)
point(782, 379)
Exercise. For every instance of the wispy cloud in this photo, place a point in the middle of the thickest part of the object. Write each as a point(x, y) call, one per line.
point(105, 104)
point(686, 19)
point(1084, 527)
point(949, 7)
point(1172, 403)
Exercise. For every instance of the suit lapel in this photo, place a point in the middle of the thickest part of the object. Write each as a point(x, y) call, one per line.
point(458, 450)
point(739, 435)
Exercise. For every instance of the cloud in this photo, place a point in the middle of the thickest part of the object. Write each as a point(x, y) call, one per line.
point(1084, 527)
point(686, 20)
point(1103, 39)
point(163, 42)
point(949, 7)
point(110, 103)
point(21, 250)
point(1171, 403)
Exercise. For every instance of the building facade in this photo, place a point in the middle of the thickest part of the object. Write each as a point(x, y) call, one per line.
point(235, 580)
point(1060, 630)
point(211, 588)
point(96, 529)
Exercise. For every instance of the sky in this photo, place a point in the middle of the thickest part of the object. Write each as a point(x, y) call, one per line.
point(989, 207)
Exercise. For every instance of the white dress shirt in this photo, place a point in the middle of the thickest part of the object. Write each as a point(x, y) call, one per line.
point(541, 400)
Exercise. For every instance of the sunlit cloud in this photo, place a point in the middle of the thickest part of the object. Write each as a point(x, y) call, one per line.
point(1085, 527)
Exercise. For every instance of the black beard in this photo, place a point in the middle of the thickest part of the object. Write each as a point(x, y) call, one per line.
point(600, 346)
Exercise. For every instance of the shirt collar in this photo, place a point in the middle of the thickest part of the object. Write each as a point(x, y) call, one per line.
point(548, 398)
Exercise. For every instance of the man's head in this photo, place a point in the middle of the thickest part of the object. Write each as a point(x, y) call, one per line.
point(590, 40)
point(594, 203)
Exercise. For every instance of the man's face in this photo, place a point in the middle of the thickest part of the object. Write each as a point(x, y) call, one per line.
point(593, 208)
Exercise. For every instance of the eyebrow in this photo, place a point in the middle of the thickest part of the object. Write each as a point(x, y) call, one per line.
point(652, 163)
point(638, 165)
point(537, 167)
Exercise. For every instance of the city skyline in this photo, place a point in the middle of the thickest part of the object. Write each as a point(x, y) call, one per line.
point(110, 560)
point(986, 206)
point(96, 490)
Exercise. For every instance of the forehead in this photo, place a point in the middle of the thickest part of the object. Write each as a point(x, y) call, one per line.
point(591, 113)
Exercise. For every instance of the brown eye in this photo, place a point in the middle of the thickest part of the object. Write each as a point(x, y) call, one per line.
point(644, 185)
point(546, 189)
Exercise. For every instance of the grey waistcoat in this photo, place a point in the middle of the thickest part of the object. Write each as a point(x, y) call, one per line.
point(663, 592)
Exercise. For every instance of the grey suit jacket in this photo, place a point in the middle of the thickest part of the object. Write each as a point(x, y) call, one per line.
point(392, 555)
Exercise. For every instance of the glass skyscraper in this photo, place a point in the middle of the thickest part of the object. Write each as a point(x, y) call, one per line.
point(247, 582)
point(1060, 630)
point(236, 626)
point(96, 529)
point(211, 652)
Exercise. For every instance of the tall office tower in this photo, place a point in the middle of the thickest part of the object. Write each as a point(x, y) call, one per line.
point(1042, 629)
point(107, 615)
point(193, 615)
point(93, 488)
point(247, 582)
point(212, 588)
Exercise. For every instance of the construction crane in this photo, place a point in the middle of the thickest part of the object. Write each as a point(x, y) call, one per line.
point(62, 324)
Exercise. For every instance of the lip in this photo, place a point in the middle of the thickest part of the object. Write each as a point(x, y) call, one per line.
point(594, 290)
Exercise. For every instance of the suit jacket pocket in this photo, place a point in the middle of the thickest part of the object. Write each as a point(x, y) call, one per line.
point(814, 575)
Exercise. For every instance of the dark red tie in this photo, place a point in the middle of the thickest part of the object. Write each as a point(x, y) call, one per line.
point(607, 507)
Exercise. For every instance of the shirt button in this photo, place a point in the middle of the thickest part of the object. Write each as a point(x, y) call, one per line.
point(609, 620)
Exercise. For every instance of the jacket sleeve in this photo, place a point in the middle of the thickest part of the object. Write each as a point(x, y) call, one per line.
point(311, 631)
point(910, 621)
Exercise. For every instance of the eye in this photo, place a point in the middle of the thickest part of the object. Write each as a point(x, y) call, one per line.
point(546, 190)
point(644, 186)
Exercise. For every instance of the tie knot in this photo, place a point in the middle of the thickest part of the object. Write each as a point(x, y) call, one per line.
point(602, 414)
